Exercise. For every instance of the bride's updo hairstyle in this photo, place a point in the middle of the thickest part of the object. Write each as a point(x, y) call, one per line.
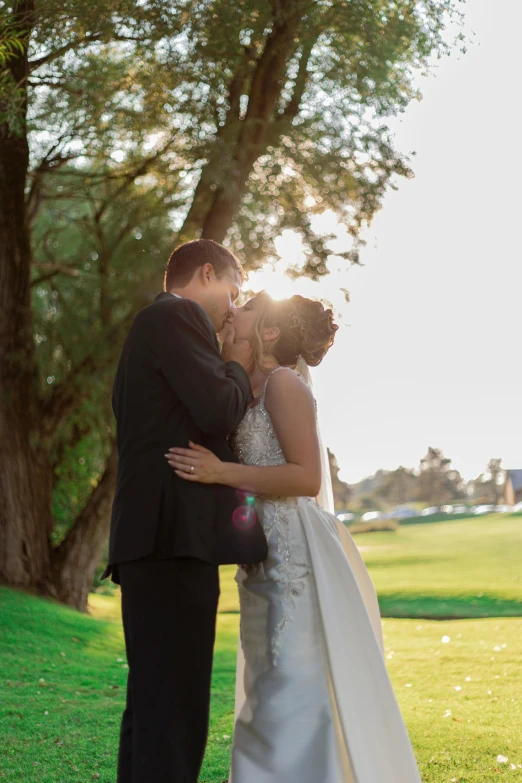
point(306, 328)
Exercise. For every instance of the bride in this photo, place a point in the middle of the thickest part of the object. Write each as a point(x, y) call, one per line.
point(314, 703)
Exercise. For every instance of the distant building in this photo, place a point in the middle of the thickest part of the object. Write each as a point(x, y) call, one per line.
point(513, 487)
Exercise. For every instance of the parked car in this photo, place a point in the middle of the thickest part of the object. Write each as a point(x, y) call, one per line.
point(517, 507)
point(427, 512)
point(484, 509)
point(370, 516)
point(403, 512)
point(461, 510)
point(503, 509)
point(345, 516)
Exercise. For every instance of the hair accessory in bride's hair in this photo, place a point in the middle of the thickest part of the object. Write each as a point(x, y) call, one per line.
point(296, 322)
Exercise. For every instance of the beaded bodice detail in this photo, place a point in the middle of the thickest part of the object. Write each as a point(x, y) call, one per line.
point(255, 443)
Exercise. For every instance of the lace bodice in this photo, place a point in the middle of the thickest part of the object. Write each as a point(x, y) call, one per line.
point(255, 443)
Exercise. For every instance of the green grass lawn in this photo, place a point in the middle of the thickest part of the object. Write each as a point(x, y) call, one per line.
point(63, 678)
point(63, 674)
point(470, 567)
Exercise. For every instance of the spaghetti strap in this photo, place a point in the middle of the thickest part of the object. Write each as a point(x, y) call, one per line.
point(281, 367)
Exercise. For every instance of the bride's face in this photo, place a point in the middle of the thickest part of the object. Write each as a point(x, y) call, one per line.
point(244, 320)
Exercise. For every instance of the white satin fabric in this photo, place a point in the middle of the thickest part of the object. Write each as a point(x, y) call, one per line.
point(314, 703)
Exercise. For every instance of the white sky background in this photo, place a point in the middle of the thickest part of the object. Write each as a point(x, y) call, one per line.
point(429, 351)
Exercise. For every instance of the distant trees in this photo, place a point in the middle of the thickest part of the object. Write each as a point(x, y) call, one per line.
point(399, 486)
point(433, 482)
point(489, 486)
point(438, 482)
point(341, 491)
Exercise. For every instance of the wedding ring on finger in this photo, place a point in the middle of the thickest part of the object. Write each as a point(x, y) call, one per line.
point(192, 468)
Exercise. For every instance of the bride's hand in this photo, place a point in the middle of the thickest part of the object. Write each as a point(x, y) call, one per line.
point(196, 464)
point(227, 334)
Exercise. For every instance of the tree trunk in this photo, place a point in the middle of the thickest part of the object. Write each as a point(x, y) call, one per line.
point(26, 472)
point(241, 142)
point(76, 559)
point(25, 502)
point(25, 488)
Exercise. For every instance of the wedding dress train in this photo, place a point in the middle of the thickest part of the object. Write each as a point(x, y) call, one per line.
point(314, 703)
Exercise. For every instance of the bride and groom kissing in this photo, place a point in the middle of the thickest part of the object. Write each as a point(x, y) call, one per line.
point(220, 461)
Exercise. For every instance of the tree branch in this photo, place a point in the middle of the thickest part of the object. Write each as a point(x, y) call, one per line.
point(51, 270)
point(76, 558)
point(291, 110)
point(79, 431)
point(49, 83)
point(54, 55)
point(293, 105)
point(254, 129)
point(69, 393)
point(85, 40)
point(50, 162)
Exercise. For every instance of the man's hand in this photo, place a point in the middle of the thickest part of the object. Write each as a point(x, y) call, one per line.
point(240, 351)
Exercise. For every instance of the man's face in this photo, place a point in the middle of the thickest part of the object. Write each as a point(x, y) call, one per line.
point(222, 293)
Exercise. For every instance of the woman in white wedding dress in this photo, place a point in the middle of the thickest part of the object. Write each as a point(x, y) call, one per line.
point(314, 703)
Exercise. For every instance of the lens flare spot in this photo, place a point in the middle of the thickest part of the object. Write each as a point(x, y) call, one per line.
point(244, 517)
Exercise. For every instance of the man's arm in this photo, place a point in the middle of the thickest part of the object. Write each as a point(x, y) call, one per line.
point(292, 410)
point(216, 393)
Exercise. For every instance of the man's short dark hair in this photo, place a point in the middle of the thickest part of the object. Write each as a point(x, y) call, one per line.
point(190, 256)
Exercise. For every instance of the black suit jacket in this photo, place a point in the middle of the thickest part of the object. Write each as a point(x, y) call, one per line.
point(173, 386)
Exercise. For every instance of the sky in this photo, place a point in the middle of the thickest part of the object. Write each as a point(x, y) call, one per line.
point(429, 350)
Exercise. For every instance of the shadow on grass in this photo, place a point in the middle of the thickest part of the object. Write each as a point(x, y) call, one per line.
point(29, 619)
point(448, 607)
point(420, 520)
point(380, 561)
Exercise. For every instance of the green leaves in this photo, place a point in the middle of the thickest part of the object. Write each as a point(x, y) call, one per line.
point(112, 80)
point(151, 123)
point(146, 119)
point(13, 41)
point(14, 37)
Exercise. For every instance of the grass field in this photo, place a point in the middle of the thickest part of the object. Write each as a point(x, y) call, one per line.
point(62, 674)
point(470, 567)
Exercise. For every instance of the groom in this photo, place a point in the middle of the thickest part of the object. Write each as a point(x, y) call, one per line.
point(168, 536)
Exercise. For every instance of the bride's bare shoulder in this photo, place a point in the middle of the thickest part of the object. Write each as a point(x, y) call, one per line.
point(285, 384)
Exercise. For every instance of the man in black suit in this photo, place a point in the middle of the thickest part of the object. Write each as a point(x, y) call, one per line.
point(168, 536)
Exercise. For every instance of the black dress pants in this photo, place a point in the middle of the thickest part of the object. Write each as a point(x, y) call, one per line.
point(169, 619)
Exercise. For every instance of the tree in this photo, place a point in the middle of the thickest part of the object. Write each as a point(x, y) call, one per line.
point(489, 486)
point(341, 490)
point(438, 482)
point(232, 121)
point(365, 493)
point(47, 372)
point(496, 476)
point(399, 487)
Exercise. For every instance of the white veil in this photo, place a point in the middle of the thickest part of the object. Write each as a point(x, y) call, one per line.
point(325, 497)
